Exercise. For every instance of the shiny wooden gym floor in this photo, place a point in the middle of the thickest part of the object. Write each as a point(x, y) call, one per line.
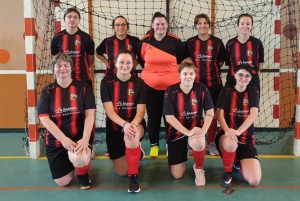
point(22, 178)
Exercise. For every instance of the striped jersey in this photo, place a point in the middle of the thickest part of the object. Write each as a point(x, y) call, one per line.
point(78, 46)
point(111, 47)
point(186, 108)
point(236, 106)
point(206, 55)
point(125, 96)
point(66, 108)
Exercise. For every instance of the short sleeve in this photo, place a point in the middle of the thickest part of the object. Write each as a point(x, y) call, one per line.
point(180, 55)
point(105, 93)
point(43, 105)
point(89, 98)
point(90, 46)
point(54, 46)
point(221, 53)
point(142, 95)
point(207, 101)
point(227, 56)
point(100, 50)
point(168, 108)
point(253, 97)
point(221, 103)
point(261, 53)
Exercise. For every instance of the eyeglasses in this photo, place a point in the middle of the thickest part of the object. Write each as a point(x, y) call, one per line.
point(120, 25)
point(247, 76)
point(127, 63)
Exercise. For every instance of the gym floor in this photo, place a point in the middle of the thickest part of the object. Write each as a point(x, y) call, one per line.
point(22, 178)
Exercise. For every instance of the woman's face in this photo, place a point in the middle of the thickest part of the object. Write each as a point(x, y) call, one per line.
point(245, 25)
point(160, 26)
point(242, 77)
point(202, 26)
point(72, 20)
point(187, 77)
point(124, 64)
point(120, 27)
point(62, 70)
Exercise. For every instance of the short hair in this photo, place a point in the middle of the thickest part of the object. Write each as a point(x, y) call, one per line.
point(246, 67)
point(187, 63)
point(73, 9)
point(125, 51)
point(61, 57)
point(245, 15)
point(199, 16)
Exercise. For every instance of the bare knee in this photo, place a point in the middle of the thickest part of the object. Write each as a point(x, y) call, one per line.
point(177, 175)
point(121, 173)
point(254, 182)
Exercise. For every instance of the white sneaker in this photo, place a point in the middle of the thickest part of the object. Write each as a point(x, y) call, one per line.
point(200, 177)
point(212, 149)
point(94, 152)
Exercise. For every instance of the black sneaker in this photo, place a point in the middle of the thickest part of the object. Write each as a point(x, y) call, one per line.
point(142, 153)
point(226, 179)
point(134, 184)
point(236, 166)
point(84, 181)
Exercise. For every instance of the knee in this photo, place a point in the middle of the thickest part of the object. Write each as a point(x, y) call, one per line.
point(177, 175)
point(121, 173)
point(197, 144)
point(229, 145)
point(254, 182)
point(80, 161)
point(62, 182)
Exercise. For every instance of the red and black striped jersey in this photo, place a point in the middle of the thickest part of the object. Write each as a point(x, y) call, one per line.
point(66, 108)
point(236, 106)
point(206, 55)
point(125, 96)
point(111, 47)
point(187, 108)
point(78, 46)
point(159, 60)
point(250, 52)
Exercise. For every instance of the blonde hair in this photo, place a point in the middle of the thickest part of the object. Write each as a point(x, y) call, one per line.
point(187, 63)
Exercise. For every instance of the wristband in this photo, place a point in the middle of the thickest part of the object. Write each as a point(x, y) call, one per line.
point(134, 124)
point(124, 124)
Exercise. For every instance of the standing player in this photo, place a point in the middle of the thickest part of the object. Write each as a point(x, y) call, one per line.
point(237, 109)
point(160, 52)
point(208, 53)
point(124, 100)
point(244, 49)
point(183, 106)
point(119, 41)
point(67, 110)
point(76, 43)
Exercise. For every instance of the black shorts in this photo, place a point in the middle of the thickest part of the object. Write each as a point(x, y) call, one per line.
point(243, 151)
point(214, 92)
point(115, 141)
point(58, 160)
point(177, 151)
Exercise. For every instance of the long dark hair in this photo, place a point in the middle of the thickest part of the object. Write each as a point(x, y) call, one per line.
point(156, 15)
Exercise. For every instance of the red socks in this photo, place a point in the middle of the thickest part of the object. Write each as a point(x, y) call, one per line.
point(228, 159)
point(83, 170)
point(211, 133)
point(133, 159)
point(199, 158)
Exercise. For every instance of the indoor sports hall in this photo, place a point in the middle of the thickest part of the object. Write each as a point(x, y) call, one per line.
point(26, 32)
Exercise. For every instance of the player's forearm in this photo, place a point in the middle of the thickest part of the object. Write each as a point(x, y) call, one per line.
point(91, 60)
point(88, 123)
point(249, 121)
point(209, 115)
point(176, 124)
point(102, 58)
point(221, 119)
point(52, 128)
point(140, 114)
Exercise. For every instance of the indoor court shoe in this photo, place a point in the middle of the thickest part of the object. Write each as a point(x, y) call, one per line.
point(154, 151)
point(200, 177)
point(212, 149)
point(134, 184)
point(226, 179)
point(142, 153)
point(84, 181)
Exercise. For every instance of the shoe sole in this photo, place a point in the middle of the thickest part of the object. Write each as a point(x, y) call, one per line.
point(85, 187)
point(134, 191)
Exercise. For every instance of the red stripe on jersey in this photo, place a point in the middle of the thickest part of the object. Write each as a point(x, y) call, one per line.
point(64, 45)
point(197, 50)
point(57, 108)
point(194, 109)
point(73, 104)
point(116, 100)
point(127, 45)
point(237, 48)
point(130, 99)
point(77, 58)
point(180, 112)
point(217, 68)
point(250, 52)
point(116, 48)
point(245, 108)
point(233, 107)
point(208, 62)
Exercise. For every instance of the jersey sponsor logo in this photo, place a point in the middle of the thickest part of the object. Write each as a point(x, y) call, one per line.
point(249, 52)
point(122, 104)
point(245, 101)
point(77, 42)
point(245, 62)
point(239, 113)
point(129, 47)
point(194, 101)
point(65, 111)
point(209, 48)
point(203, 57)
point(188, 115)
point(72, 53)
point(73, 96)
point(130, 92)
